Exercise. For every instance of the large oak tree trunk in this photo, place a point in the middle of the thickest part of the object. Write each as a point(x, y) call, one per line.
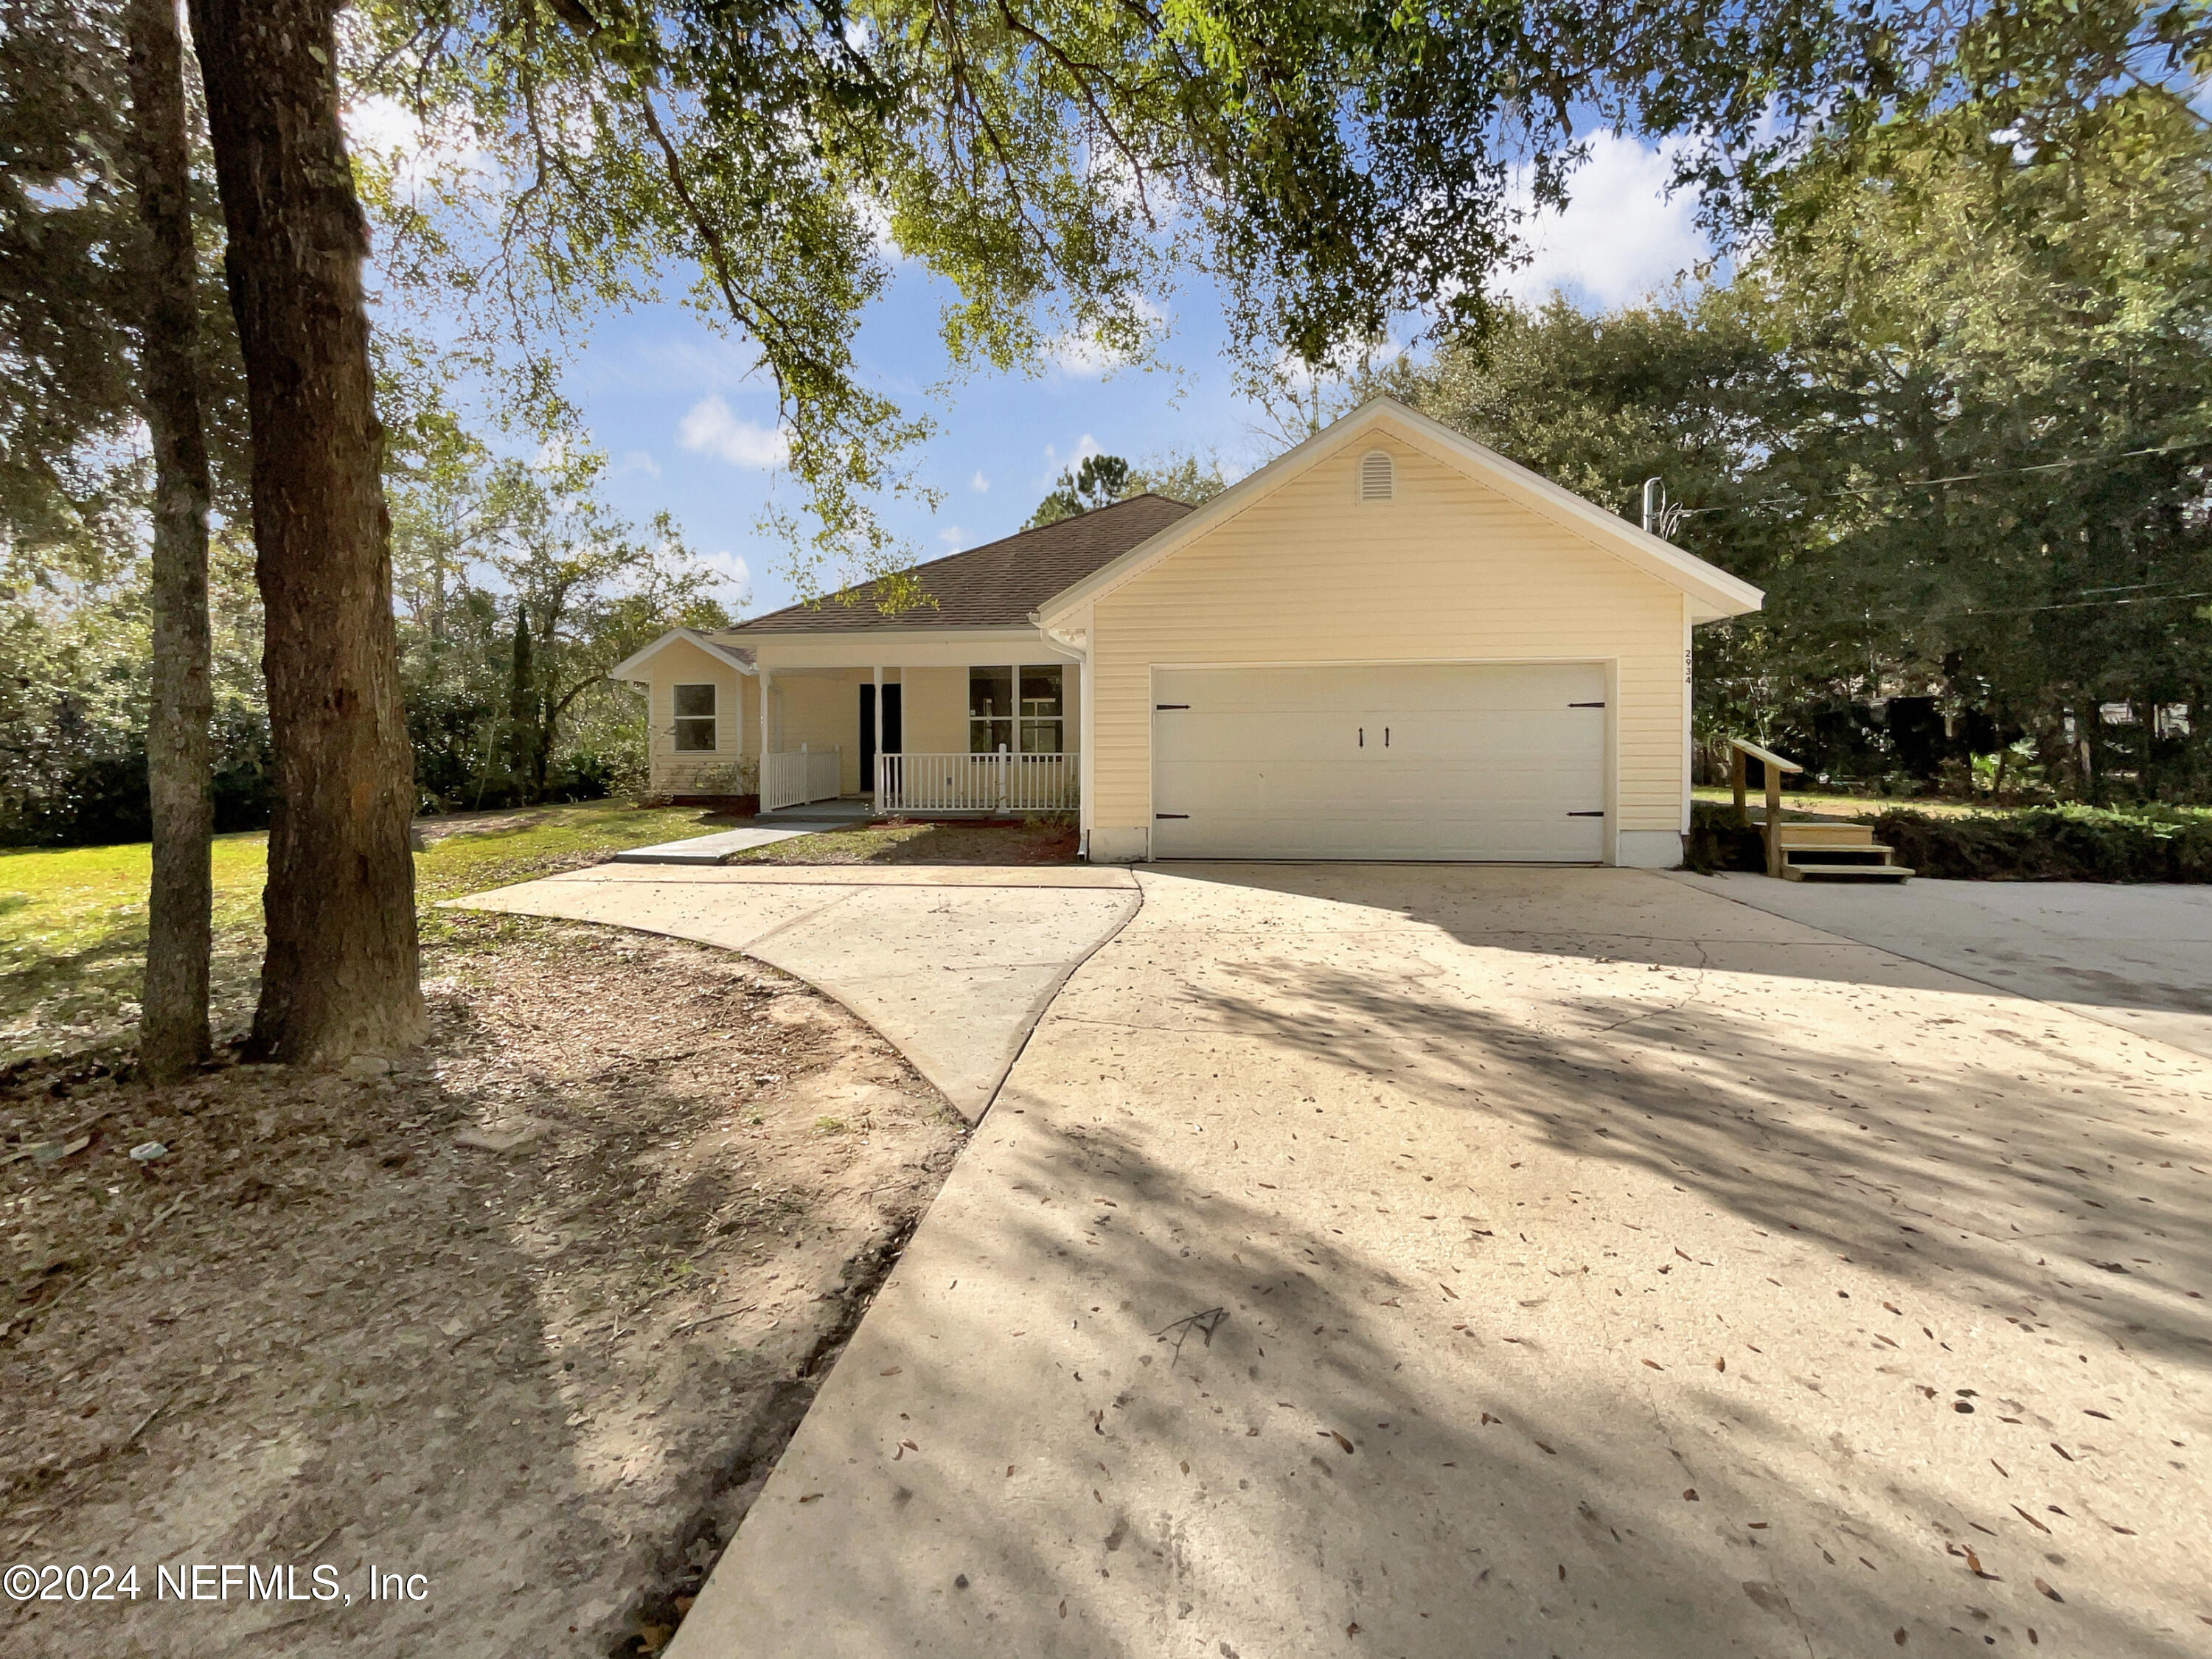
point(340, 978)
point(172, 1029)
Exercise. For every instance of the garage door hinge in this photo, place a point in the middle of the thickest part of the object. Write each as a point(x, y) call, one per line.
point(1170, 705)
point(1585, 815)
point(1170, 815)
point(1585, 705)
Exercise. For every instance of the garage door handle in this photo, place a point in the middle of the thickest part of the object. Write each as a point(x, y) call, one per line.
point(1585, 815)
point(1170, 815)
point(1170, 705)
point(1585, 705)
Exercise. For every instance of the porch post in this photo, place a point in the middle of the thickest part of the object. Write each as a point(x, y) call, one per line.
point(765, 677)
point(868, 785)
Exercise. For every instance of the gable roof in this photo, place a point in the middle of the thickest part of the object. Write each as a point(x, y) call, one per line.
point(995, 585)
point(629, 667)
point(1713, 592)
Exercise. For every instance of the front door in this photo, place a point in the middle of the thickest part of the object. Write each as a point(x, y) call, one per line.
point(894, 739)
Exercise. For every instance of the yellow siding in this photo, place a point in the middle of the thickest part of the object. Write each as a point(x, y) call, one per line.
point(731, 768)
point(1449, 570)
point(821, 710)
point(934, 711)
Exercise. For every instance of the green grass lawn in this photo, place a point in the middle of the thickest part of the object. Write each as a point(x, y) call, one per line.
point(73, 919)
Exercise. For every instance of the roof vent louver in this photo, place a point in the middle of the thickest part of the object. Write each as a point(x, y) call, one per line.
point(1378, 479)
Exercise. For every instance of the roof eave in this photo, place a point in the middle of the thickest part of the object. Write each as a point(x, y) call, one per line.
point(1718, 593)
point(889, 629)
point(627, 668)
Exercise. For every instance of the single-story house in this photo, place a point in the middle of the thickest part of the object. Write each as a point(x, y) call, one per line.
point(1390, 642)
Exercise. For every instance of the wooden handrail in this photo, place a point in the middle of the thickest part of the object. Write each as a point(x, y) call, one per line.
point(1774, 766)
point(1766, 756)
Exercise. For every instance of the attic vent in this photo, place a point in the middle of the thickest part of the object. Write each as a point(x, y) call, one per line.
point(1378, 479)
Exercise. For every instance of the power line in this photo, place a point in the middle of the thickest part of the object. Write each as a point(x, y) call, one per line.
point(2077, 604)
point(1909, 485)
point(2024, 609)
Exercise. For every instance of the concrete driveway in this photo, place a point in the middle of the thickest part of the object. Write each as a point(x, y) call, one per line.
point(951, 964)
point(2139, 957)
point(1447, 1262)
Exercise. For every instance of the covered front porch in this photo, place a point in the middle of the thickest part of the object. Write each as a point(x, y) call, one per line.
point(961, 738)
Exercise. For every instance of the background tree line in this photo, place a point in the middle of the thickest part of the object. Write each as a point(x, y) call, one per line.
point(515, 589)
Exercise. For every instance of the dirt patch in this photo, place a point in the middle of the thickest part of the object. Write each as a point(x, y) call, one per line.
point(898, 840)
point(529, 1316)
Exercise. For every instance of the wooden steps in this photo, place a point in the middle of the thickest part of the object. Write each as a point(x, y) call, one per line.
point(1831, 852)
point(1823, 851)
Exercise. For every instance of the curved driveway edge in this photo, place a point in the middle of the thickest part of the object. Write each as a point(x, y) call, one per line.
point(1443, 1261)
point(951, 964)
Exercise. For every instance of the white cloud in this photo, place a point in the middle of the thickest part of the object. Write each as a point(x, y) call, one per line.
point(636, 460)
point(1083, 356)
point(878, 219)
point(953, 536)
point(710, 427)
point(1085, 446)
point(979, 484)
point(387, 128)
point(381, 123)
point(1293, 371)
point(1619, 238)
point(735, 572)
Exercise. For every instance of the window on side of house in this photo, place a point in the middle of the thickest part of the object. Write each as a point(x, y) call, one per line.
point(990, 710)
point(694, 719)
point(1043, 710)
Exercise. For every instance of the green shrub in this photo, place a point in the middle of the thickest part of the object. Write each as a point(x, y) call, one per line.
point(2053, 843)
point(2037, 843)
point(1717, 841)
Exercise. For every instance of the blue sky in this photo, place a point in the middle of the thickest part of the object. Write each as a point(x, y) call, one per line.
point(688, 431)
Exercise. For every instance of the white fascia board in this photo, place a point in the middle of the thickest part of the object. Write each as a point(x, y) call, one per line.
point(935, 647)
point(1714, 592)
point(630, 666)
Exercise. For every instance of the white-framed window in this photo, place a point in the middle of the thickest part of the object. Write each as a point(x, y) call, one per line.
point(694, 719)
point(1016, 710)
point(1043, 708)
point(1378, 476)
point(990, 710)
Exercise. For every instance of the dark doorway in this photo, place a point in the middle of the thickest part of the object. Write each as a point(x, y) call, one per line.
point(894, 738)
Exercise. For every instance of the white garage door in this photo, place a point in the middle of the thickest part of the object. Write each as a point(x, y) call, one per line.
point(1493, 762)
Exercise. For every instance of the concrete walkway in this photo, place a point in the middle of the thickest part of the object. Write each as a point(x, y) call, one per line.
point(952, 965)
point(707, 849)
point(1485, 1261)
point(2138, 957)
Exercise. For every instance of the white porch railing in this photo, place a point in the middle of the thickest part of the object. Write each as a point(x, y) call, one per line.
point(976, 783)
point(794, 780)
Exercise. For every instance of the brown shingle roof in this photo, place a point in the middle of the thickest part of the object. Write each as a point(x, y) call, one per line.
point(994, 585)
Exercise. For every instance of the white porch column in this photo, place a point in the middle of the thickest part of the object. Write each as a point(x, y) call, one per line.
point(1084, 793)
point(765, 678)
point(868, 784)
